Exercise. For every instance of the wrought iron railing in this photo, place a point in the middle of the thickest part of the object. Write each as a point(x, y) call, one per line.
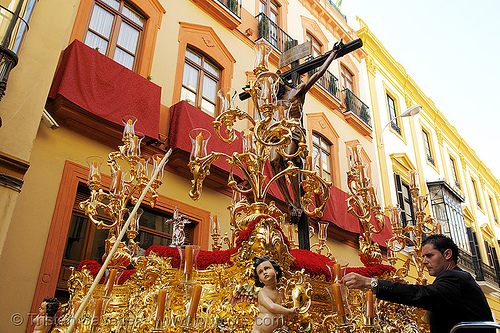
point(233, 5)
point(337, 9)
point(271, 32)
point(467, 263)
point(489, 274)
point(355, 105)
point(395, 126)
point(329, 82)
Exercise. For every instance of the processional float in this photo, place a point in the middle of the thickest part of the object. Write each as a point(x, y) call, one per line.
point(184, 289)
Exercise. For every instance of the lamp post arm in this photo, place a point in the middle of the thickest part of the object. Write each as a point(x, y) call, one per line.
point(381, 144)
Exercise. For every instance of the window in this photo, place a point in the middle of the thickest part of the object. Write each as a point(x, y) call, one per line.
point(316, 46)
point(270, 8)
point(427, 146)
point(405, 202)
point(347, 78)
point(476, 194)
point(271, 30)
point(491, 253)
point(321, 153)
point(200, 82)
point(454, 172)
point(447, 208)
point(493, 210)
point(475, 254)
point(85, 241)
point(391, 106)
point(115, 29)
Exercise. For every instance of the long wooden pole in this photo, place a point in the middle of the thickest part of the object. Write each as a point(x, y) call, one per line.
point(115, 246)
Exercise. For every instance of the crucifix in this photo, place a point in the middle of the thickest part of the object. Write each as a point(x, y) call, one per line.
point(295, 91)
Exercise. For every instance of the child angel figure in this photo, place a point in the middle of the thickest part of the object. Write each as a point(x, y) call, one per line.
point(267, 274)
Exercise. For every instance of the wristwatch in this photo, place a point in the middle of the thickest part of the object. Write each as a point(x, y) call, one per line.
point(374, 284)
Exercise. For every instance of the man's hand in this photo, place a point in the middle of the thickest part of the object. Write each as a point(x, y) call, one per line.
point(356, 281)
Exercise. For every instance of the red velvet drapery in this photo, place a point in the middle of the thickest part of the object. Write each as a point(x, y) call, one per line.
point(107, 89)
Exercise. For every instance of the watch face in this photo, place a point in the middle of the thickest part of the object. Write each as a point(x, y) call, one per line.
point(374, 283)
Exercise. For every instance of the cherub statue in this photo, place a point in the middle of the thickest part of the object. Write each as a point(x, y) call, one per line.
point(267, 274)
point(46, 320)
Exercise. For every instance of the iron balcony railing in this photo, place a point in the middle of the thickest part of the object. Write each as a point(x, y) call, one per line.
point(233, 5)
point(337, 9)
point(271, 32)
point(467, 263)
point(395, 126)
point(489, 274)
point(355, 105)
point(329, 82)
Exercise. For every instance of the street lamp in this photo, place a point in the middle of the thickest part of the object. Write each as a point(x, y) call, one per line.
point(413, 110)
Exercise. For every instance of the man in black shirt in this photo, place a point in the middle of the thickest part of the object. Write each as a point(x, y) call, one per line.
point(453, 297)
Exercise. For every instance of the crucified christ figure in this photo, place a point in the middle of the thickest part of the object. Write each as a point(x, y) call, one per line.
point(296, 95)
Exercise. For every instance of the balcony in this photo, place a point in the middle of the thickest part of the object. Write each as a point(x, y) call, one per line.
point(234, 6)
point(356, 106)
point(330, 83)
point(467, 263)
point(92, 99)
point(271, 32)
point(487, 279)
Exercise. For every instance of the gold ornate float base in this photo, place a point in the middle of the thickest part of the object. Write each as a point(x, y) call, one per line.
point(133, 306)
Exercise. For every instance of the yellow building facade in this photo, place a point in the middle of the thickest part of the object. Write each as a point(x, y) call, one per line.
point(462, 191)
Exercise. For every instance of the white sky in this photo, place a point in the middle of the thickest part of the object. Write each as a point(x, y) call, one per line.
point(451, 49)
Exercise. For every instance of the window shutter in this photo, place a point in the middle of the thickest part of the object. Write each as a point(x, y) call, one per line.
point(476, 255)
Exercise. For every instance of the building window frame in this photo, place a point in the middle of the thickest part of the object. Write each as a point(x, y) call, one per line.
point(405, 202)
point(204, 40)
point(347, 78)
point(392, 109)
point(316, 45)
point(322, 156)
point(493, 210)
point(426, 137)
point(476, 193)
point(123, 16)
point(73, 174)
point(208, 71)
point(153, 12)
point(454, 172)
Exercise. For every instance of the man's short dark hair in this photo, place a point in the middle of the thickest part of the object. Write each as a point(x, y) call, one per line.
point(443, 243)
point(259, 260)
point(52, 306)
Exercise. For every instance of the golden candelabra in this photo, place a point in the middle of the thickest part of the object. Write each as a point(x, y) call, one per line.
point(130, 175)
point(362, 202)
point(272, 131)
point(423, 225)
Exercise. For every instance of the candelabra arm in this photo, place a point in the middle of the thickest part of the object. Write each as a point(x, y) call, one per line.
point(380, 217)
point(104, 266)
point(314, 184)
point(291, 169)
point(254, 178)
point(200, 168)
point(228, 118)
